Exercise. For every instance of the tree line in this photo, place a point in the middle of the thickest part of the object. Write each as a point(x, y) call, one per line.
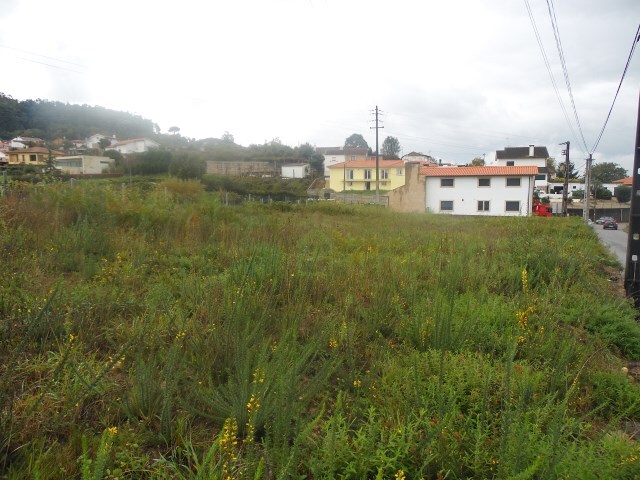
point(50, 120)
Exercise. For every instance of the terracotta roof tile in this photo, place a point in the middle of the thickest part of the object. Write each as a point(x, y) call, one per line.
point(477, 171)
point(625, 181)
point(368, 164)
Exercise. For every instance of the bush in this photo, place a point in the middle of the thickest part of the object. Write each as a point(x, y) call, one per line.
point(623, 193)
point(603, 193)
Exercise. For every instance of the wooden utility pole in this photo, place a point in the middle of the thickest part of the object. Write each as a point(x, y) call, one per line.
point(631, 273)
point(377, 159)
point(565, 189)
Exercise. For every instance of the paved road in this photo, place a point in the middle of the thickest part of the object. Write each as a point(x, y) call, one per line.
point(616, 240)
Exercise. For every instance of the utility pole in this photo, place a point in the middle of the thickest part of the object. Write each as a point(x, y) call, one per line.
point(631, 273)
point(565, 189)
point(377, 159)
point(587, 188)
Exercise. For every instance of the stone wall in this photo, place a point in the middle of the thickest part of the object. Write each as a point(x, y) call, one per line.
point(411, 197)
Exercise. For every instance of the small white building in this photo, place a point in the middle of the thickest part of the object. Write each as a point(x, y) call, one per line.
point(295, 170)
point(135, 145)
point(488, 191)
point(84, 164)
point(335, 155)
point(25, 142)
point(94, 140)
point(419, 158)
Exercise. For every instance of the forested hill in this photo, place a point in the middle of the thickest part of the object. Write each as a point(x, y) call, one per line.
point(50, 120)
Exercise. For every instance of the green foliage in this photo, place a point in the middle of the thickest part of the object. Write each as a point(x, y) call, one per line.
point(153, 332)
point(623, 193)
point(51, 120)
point(187, 166)
point(603, 193)
point(355, 140)
point(278, 188)
point(577, 194)
point(391, 148)
point(607, 172)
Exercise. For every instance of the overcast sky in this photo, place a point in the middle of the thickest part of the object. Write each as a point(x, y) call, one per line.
point(456, 79)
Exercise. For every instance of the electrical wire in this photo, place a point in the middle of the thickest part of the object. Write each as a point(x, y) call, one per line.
point(556, 34)
point(548, 66)
point(636, 39)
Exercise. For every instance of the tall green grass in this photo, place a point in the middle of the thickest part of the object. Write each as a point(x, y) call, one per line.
point(149, 331)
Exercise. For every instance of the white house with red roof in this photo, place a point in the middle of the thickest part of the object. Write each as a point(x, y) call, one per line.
point(134, 145)
point(485, 191)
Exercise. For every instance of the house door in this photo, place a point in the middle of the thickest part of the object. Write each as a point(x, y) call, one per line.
point(367, 185)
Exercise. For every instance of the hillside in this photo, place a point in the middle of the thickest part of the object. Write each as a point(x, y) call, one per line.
point(50, 120)
point(154, 332)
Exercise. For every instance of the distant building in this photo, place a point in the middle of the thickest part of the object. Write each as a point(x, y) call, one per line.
point(361, 175)
point(335, 155)
point(84, 164)
point(241, 168)
point(94, 140)
point(25, 142)
point(295, 170)
point(485, 191)
point(31, 156)
point(420, 158)
point(527, 156)
point(134, 145)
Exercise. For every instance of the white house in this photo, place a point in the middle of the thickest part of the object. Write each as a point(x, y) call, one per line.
point(94, 140)
point(419, 157)
point(295, 170)
point(25, 142)
point(135, 145)
point(335, 155)
point(491, 191)
point(526, 156)
point(84, 164)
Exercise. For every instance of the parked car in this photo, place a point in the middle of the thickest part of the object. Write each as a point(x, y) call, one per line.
point(601, 220)
point(610, 225)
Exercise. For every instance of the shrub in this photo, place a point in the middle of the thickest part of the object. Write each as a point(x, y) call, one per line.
point(623, 193)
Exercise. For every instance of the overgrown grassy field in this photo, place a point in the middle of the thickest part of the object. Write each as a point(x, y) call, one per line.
point(157, 333)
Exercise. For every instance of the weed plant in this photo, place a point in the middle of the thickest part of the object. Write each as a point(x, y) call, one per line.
point(150, 331)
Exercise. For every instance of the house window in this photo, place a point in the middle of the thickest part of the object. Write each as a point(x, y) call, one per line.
point(510, 163)
point(384, 174)
point(513, 182)
point(483, 205)
point(349, 184)
point(541, 177)
point(399, 172)
point(367, 174)
point(33, 158)
point(446, 182)
point(512, 206)
point(484, 182)
point(384, 184)
point(446, 205)
point(350, 174)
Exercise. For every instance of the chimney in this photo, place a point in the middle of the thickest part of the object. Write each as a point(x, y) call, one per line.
point(531, 148)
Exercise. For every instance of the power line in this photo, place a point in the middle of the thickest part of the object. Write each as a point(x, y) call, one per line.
point(43, 56)
point(556, 34)
point(636, 38)
point(548, 66)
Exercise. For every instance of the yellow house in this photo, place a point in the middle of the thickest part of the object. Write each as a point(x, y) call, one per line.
point(31, 156)
point(361, 175)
